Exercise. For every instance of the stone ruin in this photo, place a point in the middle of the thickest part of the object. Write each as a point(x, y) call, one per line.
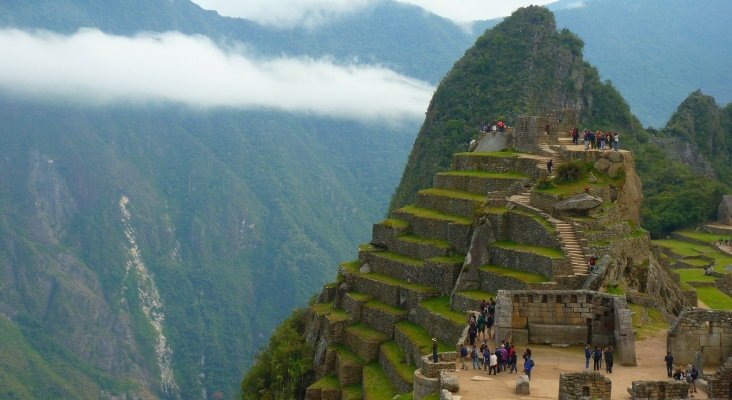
point(658, 390)
point(724, 213)
point(584, 385)
point(566, 317)
point(719, 385)
point(705, 331)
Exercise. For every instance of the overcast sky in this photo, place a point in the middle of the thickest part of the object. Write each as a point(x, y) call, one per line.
point(288, 13)
point(96, 68)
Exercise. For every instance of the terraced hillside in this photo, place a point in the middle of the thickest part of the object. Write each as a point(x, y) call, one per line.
point(414, 280)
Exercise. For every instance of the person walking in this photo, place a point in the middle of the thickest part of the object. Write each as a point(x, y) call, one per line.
point(550, 165)
point(486, 358)
point(463, 356)
point(434, 350)
point(513, 360)
point(609, 359)
point(493, 361)
point(597, 358)
point(669, 363)
point(588, 355)
point(691, 376)
point(474, 356)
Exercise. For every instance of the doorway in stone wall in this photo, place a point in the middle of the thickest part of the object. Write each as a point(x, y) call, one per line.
point(589, 331)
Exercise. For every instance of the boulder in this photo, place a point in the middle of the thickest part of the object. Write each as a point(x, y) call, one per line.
point(579, 202)
point(365, 269)
point(450, 382)
point(445, 395)
point(522, 385)
point(602, 165)
point(615, 156)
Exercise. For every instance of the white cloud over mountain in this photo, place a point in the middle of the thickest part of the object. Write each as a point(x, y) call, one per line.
point(92, 67)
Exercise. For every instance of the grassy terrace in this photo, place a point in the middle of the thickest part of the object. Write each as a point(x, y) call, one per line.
point(348, 355)
point(696, 262)
point(397, 358)
point(376, 384)
point(385, 308)
point(538, 250)
point(399, 282)
point(422, 240)
point(526, 277)
point(395, 223)
point(338, 315)
point(509, 153)
point(351, 266)
point(714, 298)
point(360, 297)
point(477, 295)
point(441, 306)
point(368, 333)
point(421, 337)
point(546, 224)
point(486, 174)
point(353, 392)
point(703, 236)
point(687, 249)
point(432, 214)
point(694, 275)
point(322, 308)
point(400, 258)
point(456, 259)
point(367, 247)
point(328, 381)
point(454, 194)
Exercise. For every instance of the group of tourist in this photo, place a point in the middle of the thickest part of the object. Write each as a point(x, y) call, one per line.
point(690, 375)
point(597, 139)
point(502, 358)
point(598, 355)
point(494, 126)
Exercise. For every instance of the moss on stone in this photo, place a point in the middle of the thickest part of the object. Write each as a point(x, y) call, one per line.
point(367, 333)
point(441, 306)
point(477, 295)
point(421, 337)
point(395, 223)
point(396, 357)
point(402, 259)
point(432, 214)
point(385, 308)
point(426, 241)
point(327, 382)
point(526, 277)
point(456, 259)
point(454, 194)
point(546, 224)
point(352, 392)
point(376, 384)
point(347, 355)
point(360, 297)
point(538, 250)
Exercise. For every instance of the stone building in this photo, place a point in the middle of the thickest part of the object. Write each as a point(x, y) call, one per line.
point(706, 331)
point(584, 385)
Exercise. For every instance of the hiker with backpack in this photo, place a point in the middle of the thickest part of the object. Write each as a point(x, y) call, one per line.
point(528, 363)
point(597, 358)
point(463, 356)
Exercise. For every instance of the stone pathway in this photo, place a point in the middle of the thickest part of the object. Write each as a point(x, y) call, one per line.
point(550, 362)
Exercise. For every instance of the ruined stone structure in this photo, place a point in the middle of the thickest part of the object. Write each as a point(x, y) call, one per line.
point(724, 213)
point(659, 390)
point(707, 331)
point(719, 384)
point(566, 317)
point(584, 385)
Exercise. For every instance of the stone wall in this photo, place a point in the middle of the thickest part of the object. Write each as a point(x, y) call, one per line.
point(584, 385)
point(658, 390)
point(525, 228)
point(523, 164)
point(708, 331)
point(719, 385)
point(529, 262)
point(566, 317)
point(525, 134)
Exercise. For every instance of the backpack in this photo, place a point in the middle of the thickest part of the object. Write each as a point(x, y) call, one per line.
point(463, 352)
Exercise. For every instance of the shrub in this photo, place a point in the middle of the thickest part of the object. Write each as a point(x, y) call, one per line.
point(570, 172)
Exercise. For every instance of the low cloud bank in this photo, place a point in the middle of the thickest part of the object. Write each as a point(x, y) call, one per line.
point(96, 68)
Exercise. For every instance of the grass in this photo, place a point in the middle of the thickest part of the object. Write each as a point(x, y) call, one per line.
point(477, 295)
point(400, 258)
point(328, 381)
point(485, 174)
point(615, 290)
point(351, 266)
point(352, 392)
point(395, 223)
point(441, 305)
point(368, 333)
point(366, 247)
point(647, 321)
point(376, 384)
point(538, 250)
point(347, 355)
point(322, 308)
point(432, 214)
point(703, 236)
point(360, 297)
point(696, 262)
point(421, 337)
point(687, 249)
point(454, 194)
point(423, 240)
point(456, 259)
point(694, 275)
point(396, 357)
point(714, 298)
point(526, 277)
point(338, 315)
point(398, 282)
point(385, 307)
point(546, 224)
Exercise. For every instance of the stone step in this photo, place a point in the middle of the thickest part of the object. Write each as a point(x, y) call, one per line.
point(393, 361)
point(392, 291)
point(440, 320)
point(450, 202)
point(348, 366)
point(432, 224)
point(416, 341)
point(364, 341)
point(353, 302)
point(494, 278)
point(334, 321)
point(421, 247)
point(385, 232)
point(382, 316)
point(479, 182)
point(376, 384)
point(540, 260)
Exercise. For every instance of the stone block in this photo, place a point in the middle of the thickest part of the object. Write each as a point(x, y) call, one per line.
point(557, 334)
point(449, 382)
point(522, 385)
point(424, 385)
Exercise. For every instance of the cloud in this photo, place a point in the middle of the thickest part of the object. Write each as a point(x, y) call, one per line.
point(576, 4)
point(463, 11)
point(92, 67)
point(284, 13)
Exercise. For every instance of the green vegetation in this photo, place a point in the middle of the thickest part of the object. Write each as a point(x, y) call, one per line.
point(526, 277)
point(687, 249)
point(368, 333)
point(542, 221)
point(351, 267)
point(714, 298)
point(421, 337)
point(361, 297)
point(395, 223)
point(455, 194)
point(385, 308)
point(538, 250)
point(486, 174)
point(347, 355)
point(570, 172)
point(703, 236)
point(400, 258)
point(441, 305)
point(505, 153)
point(270, 377)
point(353, 392)
point(478, 295)
point(694, 275)
point(398, 282)
point(397, 358)
point(432, 214)
point(322, 308)
point(647, 321)
point(422, 240)
point(456, 259)
point(614, 289)
point(376, 384)
point(327, 382)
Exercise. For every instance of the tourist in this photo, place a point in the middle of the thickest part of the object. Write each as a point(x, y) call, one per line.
point(586, 138)
point(481, 326)
point(434, 350)
point(601, 139)
point(575, 135)
point(489, 325)
point(472, 333)
point(588, 355)
point(679, 375)
point(597, 358)
point(691, 376)
point(609, 360)
point(486, 358)
point(549, 165)
point(482, 350)
point(616, 141)
point(669, 363)
point(513, 360)
point(528, 363)
point(463, 355)
point(493, 363)
point(474, 356)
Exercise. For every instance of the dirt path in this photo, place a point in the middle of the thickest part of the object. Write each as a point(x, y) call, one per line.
point(550, 362)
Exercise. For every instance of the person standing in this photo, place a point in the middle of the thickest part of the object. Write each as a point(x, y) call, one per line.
point(609, 359)
point(528, 363)
point(481, 326)
point(463, 356)
point(493, 362)
point(475, 357)
point(550, 165)
point(616, 141)
point(669, 363)
point(588, 355)
point(434, 350)
point(513, 357)
point(597, 358)
point(691, 376)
